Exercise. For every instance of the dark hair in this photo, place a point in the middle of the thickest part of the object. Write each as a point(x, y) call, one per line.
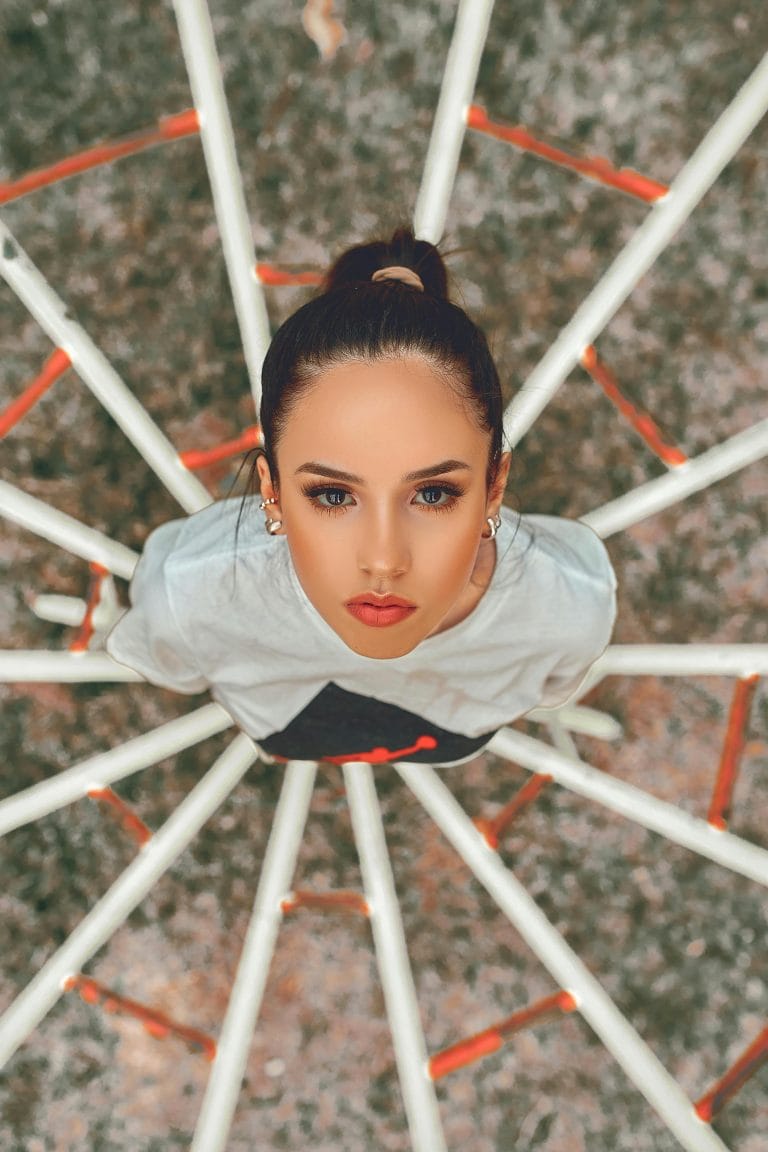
point(355, 318)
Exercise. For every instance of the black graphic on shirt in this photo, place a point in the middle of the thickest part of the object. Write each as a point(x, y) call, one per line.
point(339, 725)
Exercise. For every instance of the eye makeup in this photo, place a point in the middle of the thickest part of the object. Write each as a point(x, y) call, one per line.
point(451, 492)
point(330, 499)
point(317, 493)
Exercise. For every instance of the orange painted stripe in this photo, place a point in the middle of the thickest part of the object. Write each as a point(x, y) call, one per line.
point(465, 1052)
point(155, 1022)
point(131, 822)
point(491, 1039)
point(85, 631)
point(200, 458)
point(326, 901)
point(733, 747)
point(735, 1078)
point(180, 124)
point(276, 277)
point(169, 128)
point(593, 167)
point(493, 829)
point(55, 366)
point(642, 423)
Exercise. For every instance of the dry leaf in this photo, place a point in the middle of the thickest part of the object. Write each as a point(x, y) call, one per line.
point(323, 29)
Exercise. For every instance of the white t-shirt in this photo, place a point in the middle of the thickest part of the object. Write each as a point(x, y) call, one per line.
point(239, 623)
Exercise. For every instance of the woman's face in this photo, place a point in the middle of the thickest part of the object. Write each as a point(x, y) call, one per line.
point(383, 494)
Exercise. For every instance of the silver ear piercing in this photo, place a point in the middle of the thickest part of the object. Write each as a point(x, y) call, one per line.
point(273, 526)
point(494, 523)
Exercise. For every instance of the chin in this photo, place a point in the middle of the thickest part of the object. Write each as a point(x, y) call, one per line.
point(388, 648)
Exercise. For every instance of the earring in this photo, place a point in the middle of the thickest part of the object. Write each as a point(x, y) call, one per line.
point(494, 523)
point(273, 526)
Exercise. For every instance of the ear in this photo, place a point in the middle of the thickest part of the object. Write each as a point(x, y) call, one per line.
point(266, 486)
point(269, 496)
point(496, 490)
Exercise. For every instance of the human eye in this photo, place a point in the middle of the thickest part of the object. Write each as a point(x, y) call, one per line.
point(440, 497)
point(328, 499)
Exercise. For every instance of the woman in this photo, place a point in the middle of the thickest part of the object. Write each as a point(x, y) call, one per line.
point(387, 607)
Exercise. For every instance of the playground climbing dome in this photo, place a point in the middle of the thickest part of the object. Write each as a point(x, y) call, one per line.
point(571, 949)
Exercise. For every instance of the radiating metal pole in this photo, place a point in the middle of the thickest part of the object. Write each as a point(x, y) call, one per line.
point(204, 70)
point(226, 1077)
point(107, 767)
point(617, 1034)
point(668, 214)
point(42, 666)
point(34, 514)
point(579, 718)
point(154, 858)
point(94, 369)
point(715, 464)
point(658, 816)
point(394, 968)
point(680, 660)
point(67, 610)
point(449, 126)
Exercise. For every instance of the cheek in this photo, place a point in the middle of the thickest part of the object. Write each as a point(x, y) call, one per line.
point(316, 561)
point(452, 559)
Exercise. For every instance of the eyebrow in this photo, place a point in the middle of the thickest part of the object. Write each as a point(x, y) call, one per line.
point(420, 473)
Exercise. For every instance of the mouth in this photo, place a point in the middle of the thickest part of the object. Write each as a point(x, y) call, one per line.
point(379, 611)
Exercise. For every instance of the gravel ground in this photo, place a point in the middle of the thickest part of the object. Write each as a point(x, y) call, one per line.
point(331, 152)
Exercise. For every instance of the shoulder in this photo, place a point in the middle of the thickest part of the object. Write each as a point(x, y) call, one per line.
point(557, 587)
point(574, 547)
point(552, 548)
point(213, 541)
point(227, 598)
point(207, 565)
point(208, 535)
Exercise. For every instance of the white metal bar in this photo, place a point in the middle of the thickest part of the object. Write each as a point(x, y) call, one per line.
point(680, 660)
point(35, 667)
point(394, 968)
point(94, 369)
point(715, 464)
point(562, 739)
point(638, 1061)
point(668, 214)
point(64, 530)
point(107, 767)
point(68, 610)
point(226, 1077)
point(579, 718)
point(689, 831)
point(199, 48)
point(155, 857)
point(449, 126)
point(72, 610)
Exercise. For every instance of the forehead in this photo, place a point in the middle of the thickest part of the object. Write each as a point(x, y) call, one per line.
point(403, 405)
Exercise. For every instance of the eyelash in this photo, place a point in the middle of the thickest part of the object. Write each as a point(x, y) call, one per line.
point(314, 492)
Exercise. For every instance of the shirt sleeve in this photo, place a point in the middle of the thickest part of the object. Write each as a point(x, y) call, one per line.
point(148, 638)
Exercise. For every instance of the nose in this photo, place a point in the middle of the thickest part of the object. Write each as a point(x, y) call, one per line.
point(384, 548)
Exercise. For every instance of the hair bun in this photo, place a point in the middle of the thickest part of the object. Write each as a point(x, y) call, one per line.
point(357, 265)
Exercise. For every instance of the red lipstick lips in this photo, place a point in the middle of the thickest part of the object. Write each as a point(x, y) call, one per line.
point(379, 611)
